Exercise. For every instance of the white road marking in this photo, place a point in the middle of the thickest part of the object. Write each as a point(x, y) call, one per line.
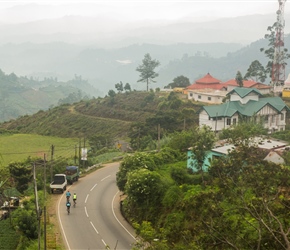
point(93, 187)
point(86, 198)
point(60, 222)
point(118, 219)
point(106, 177)
point(94, 227)
point(104, 242)
point(86, 212)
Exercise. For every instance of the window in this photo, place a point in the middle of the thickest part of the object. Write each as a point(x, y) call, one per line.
point(282, 117)
point(266, 118)
point(199, 97)
point(190, 94)
point(228, 121)
point(234, 121)
point(209, 98)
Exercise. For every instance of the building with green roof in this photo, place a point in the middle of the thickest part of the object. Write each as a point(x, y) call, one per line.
point(245, 103)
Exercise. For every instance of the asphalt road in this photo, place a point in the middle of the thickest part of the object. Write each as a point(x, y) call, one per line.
point(95, 222)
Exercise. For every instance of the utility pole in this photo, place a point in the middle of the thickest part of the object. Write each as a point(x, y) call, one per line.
point(51, 161)
point(80, 147)
point(36, 205)
point(158, 149)
point(75, 154)
point(84, 161)
point(44, 209)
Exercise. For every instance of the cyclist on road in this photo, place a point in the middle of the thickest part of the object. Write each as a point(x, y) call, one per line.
point(68, 207)
point(68, 195)
point(75, 198)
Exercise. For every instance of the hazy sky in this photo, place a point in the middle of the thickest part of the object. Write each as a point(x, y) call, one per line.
point(135, 9)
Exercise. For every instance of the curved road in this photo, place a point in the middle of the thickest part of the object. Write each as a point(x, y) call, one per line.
point(95, 222)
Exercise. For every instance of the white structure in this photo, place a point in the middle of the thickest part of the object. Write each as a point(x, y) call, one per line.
point(246, 103)
point(207, 95)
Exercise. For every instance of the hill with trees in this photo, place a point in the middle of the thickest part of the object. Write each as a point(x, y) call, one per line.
point(25, 96)
point(133, 114)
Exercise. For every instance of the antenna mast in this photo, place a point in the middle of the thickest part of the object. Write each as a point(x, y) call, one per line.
point(278, 67)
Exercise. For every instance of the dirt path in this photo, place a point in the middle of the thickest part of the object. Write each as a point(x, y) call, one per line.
point(54, 236)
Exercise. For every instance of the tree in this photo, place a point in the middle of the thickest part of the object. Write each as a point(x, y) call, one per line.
point(256, 71)
point(243, 131)
point(127, 87)
point(239, 79)
point(180, 81)
point(119, 86)
point(21, 174)
point(145, 190)
point(112, 93)
point(204, 139)
point(146, 69)
point(271, 37)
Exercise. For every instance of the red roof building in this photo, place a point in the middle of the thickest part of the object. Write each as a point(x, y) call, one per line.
point(207, 82)
point(263, 88)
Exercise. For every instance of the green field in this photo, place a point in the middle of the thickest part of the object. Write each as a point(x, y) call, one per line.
point(18, 147)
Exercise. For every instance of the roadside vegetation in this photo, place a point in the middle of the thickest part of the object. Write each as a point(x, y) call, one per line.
point(165, 201)
point(242, 202)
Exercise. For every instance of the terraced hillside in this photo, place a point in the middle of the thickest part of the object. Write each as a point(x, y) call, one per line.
point(109, 115)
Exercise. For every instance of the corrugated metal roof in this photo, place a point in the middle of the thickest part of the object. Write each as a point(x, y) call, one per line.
point(242, 92)
point(252, 107)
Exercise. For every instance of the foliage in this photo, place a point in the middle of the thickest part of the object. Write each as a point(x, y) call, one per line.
point(111, 93)
point(270, 51)
point(179, 82)
point(9, 238)
point(244, 204)
point(239, 79)
point(203, 141)
point(127, 87)
point(149, 237)
point(282, 135)
point(73, 97)
point(22, 95)
point(181, 175)
point(100, 141)
point(26, 221)
point(243, 131)
point(119, 87)
point(181, 141)
point(130, 163)
point(21, 174)
point(256, 71)
point(146, 69)
point(112, 119)
point(144, 187)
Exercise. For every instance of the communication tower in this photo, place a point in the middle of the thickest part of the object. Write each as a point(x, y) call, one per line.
point(278, 67)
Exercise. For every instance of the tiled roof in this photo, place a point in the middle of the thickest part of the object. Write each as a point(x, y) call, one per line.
point(217, 86)
point(228, 109)
point(247, 84)
point(207, 79)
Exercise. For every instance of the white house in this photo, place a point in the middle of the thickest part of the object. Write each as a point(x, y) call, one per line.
point(245, 103)
point(211, 96)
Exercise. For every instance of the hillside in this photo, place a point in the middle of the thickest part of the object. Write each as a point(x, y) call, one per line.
point(25, 96)
point(107, 116)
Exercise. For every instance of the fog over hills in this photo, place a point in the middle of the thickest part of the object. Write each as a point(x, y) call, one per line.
point(107, 33)
point(106, 49)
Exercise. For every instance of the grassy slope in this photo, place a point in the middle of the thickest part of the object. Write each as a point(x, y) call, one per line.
point(18, 147)
point(112, 116)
